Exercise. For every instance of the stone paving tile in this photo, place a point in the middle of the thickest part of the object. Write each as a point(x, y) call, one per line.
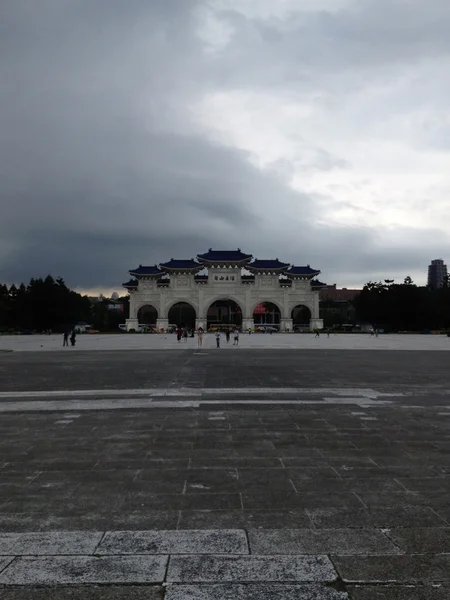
point(34, 544)
point(216, 519)
point(312, 462)
point(217, 569)
point(292, 500)
point(421, 540)
point(347, 485)
point(358, 472)
point(59, 570)
point(307, 472)
point(174, 542)
point(407, 569)
point(252, 591)
point(380, 516)
point(325, 541)
point(371, 498)
point(236, 463)
point(399, 592)
point(52, 477)
point(84, 592)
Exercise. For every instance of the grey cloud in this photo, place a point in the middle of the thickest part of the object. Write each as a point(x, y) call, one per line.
point(102, 167)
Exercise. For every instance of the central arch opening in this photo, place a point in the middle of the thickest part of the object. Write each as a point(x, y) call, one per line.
point(223, 313)
point(182, 314)
point(267, 313)
point(147, 315)
point(301, 316)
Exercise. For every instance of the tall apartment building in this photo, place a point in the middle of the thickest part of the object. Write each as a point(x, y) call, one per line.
point(437, 272)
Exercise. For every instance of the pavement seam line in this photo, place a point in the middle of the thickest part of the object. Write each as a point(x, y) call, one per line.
point(386, 533)
point(100, 542)
point(249, 547)
point(3, 569)
point(364, 505)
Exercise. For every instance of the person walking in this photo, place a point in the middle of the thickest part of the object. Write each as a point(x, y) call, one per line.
point(73, 337)
point(179, 334)
point(185, 335)
point(218, 338)
point(227, 335)
point(200, 337)
point(236, 337)
point(317, 333)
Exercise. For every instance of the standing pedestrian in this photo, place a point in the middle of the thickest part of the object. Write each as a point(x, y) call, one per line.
point(179, 334)
point(66, 338)
point(236, 337)
point(227, 335)
point(200, 337)
point(185, 335)
point(218, 338)
point(73, 337)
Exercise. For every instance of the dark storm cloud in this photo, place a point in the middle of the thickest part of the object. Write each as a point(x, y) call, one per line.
point(102, 166)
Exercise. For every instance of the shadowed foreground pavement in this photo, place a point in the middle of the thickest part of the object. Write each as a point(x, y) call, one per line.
point(325, 496)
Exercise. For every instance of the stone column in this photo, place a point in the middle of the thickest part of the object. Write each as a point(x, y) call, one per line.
point(133, 311)
point(162, 324)
point(247, 324)
point(315, 324)
point(132, 324)
point(200, 323)
point(315, 311)
point(287, 325)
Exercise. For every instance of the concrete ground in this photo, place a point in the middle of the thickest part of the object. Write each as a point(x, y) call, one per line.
point(276, 473)
point(255, 341)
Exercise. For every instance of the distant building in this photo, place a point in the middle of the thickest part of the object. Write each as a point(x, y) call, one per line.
point(337, 305)
point(333, 294)
point(437, 273)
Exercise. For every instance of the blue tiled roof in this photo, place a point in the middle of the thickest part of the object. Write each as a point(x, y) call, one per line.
point(316, 283)
point(181, 264)
point(224, 256)
point(130, 284)
point(302, 271)
point(141, 270)
point(267, 265)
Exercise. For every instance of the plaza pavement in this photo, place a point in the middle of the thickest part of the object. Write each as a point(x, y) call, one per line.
point(312, 473)
point(255, 341)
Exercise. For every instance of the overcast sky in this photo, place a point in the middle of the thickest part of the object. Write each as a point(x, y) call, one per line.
point(313, 131)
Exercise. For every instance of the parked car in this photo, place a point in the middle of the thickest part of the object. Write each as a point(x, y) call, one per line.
point(82, 327)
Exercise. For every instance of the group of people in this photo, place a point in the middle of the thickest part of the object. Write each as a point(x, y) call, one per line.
point(183, 334)
point(228, 336)
point(70, 334)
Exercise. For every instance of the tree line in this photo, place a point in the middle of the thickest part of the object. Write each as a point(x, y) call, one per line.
point(404, 306)
point(48, 304)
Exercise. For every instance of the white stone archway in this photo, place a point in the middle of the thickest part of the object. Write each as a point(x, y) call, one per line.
point(143, 315)
point(227, 279)
point(302, 322)
point(232, 320)
point(185, 317)
point(259, 321)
